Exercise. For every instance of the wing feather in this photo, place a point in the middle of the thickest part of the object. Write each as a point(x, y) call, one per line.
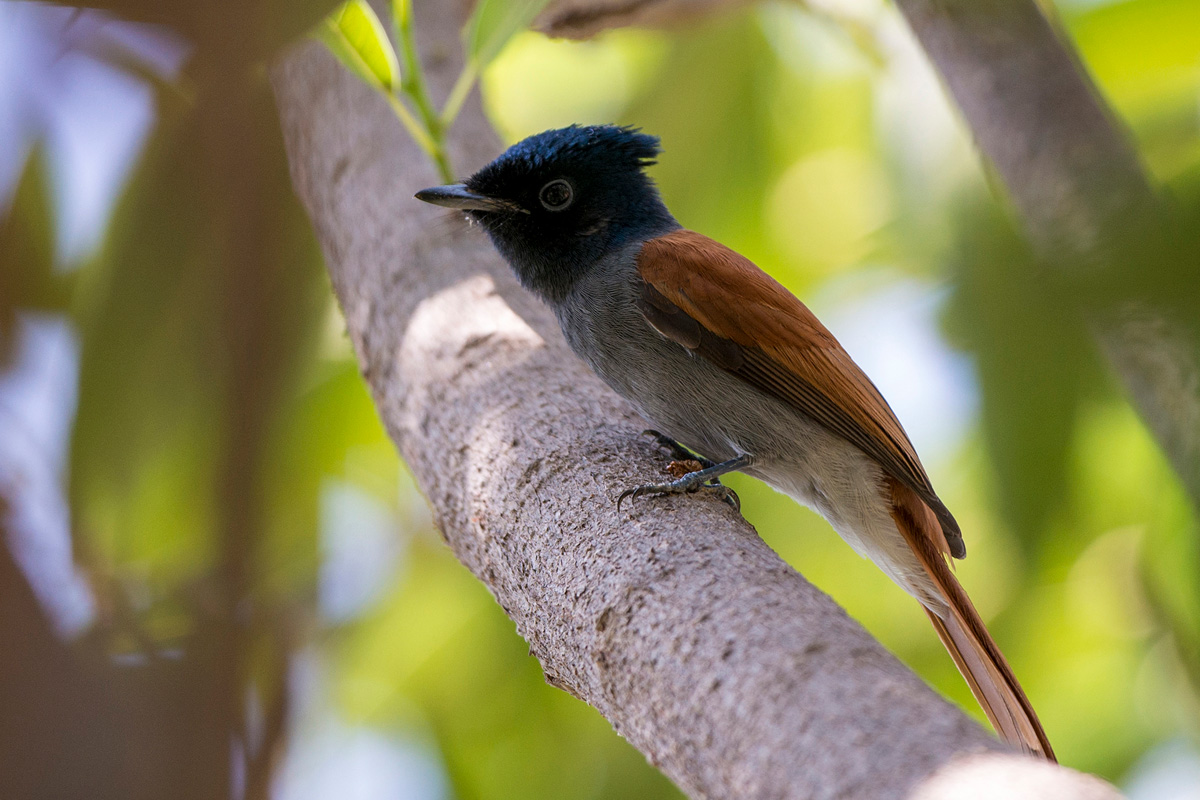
point(721, 306)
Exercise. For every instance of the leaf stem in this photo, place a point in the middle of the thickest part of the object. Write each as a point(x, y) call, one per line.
point(413, 85)
point(414, 127)
point(460, 93)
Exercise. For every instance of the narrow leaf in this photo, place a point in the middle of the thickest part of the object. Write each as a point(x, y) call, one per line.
point(493, 23)
point(355, 36)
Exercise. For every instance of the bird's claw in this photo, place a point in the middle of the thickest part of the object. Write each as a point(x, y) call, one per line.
point(635, 493)
point(684, 469)
point(723, 493)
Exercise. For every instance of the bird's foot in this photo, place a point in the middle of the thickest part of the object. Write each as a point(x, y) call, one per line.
point(706, 480)
point(683, 486)
point(686, 462)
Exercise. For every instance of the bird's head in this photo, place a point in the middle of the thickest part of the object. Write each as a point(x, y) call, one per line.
point(557, 202)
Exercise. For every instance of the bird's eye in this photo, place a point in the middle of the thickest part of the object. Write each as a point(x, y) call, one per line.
point(556, 195)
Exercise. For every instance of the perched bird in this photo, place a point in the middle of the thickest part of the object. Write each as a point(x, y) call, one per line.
point(727, 362)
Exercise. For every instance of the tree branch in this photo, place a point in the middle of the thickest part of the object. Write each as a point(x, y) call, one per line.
point(580, 19)
point(727, 669)
point(1077, 182)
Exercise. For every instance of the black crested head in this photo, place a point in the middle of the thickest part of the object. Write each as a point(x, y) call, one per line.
point(558, 201)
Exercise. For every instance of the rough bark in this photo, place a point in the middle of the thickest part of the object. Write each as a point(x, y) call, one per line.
point(724, 666)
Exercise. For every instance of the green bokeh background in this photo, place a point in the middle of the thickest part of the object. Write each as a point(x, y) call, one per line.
point(818, 145)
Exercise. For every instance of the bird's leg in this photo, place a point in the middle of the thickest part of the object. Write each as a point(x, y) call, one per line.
point(678, 451)
point(696, 481)
point(682, 466)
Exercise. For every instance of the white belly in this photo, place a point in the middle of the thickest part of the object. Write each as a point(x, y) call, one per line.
point(844, 486)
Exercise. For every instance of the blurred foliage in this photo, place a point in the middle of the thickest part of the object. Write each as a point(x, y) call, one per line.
point(220, 416)
point(27, 277)
point(1005, 307)
point(356, 37)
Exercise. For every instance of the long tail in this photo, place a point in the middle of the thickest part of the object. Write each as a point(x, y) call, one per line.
point(963, 633)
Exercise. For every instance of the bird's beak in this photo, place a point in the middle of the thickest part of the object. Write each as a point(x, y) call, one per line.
point(457, 195)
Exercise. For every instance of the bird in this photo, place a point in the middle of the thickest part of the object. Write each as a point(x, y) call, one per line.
point(733, 371)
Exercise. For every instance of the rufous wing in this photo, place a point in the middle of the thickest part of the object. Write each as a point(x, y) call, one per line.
point(717, 303)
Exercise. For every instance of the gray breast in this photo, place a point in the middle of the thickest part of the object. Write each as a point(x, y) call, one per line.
point(682, 395)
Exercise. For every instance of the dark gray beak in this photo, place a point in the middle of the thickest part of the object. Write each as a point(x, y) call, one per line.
point(457, 195)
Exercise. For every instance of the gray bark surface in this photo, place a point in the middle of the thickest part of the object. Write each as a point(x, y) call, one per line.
point(730, 672)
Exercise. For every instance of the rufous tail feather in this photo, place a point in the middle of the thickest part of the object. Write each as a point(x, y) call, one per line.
point(963, 633)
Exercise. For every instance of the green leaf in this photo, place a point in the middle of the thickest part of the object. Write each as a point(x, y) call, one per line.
point(354, 34)
point(493, 23)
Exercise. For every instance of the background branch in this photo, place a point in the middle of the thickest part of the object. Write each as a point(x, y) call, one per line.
point(730, 672)
point(1076, 181)
point(580, 19)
